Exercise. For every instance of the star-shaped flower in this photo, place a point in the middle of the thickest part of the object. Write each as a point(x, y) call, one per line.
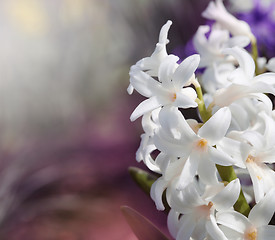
point(238, 227)
point(176, 138)
point(193, 213)
point(169, 89)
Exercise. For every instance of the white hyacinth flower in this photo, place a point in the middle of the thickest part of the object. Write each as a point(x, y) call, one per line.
point(151, 64)
point(244, 84)
point(271, 64)
point(198, 210)
point(211, 48)
point(238, 227)
point(171, 168)
point(176, 138)
point(218, 65)
point(261, 151)
point(245, 115)
point(217, 11)
point(169, 90)
point(149, 124)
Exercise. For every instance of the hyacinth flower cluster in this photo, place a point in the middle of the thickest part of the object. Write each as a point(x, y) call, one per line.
point(216, 174)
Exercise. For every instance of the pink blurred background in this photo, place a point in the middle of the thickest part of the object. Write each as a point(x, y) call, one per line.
point(66, 140)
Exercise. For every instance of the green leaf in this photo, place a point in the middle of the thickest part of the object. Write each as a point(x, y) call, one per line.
point(143, 228)
point(142, 178)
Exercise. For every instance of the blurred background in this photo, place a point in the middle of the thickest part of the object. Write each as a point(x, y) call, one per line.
point(66, 140)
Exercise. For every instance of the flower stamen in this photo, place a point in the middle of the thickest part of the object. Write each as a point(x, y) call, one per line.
point(251, 159)
point(174, 97)
point(204, 210)
point(251, 234)
point(202, 144)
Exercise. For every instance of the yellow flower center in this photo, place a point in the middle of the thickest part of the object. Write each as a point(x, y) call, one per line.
point(202, 144)
point(204, 210)
point(251, 159)
point(251, 234)
point(174, 97)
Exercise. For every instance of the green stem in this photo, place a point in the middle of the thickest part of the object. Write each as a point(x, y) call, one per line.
point(205, 115)
point(228, 174)
point(255, 55)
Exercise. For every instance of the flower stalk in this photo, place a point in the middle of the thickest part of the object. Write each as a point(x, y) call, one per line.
point(204, 113)
point(255, 55)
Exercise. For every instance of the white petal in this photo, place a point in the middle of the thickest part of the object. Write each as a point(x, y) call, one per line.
point(144, 153)
point(268, 156)
point(226, 96)
point(244, 59)
point(187, 227)
point(184, 101)
point(217, 11)
point(130, 89)
point(151, 64)
point(200, 41)
point(266, 233)
point(156, 192)
point(257, 173)
point(184, 201)
point(147, 124)
point(213, 10)
point(164, 32)
point(216, 127)
point(175, 168)
point(233, 220)
point(268, 78)
point(185, 71)
point(162, 161)
point(262, 87)
point(209, 78)
point(220, 157)
point(199, 232)
point(228, 196)
point(263, 98)
point(142, 82)
point(169, 145)
point(230, 233)
point(188, 172)
point(148, 160)
point(257, 181)
point(173, 222)
point(217, 38)
point(263, 211)
point(207, 171)
point(271, 64)
point(144, 107)
point(240, 41)
point(235, 149)
point(171, 118)
point(240, 116)
point(214, 231)
point(269, 129)
point(166, 70)
point(189, 92)
point(254, 138)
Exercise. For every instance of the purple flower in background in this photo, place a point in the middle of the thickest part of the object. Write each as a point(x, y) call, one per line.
point(262, 22)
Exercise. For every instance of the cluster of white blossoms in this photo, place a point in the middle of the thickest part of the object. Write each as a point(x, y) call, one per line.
point(211, 172)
